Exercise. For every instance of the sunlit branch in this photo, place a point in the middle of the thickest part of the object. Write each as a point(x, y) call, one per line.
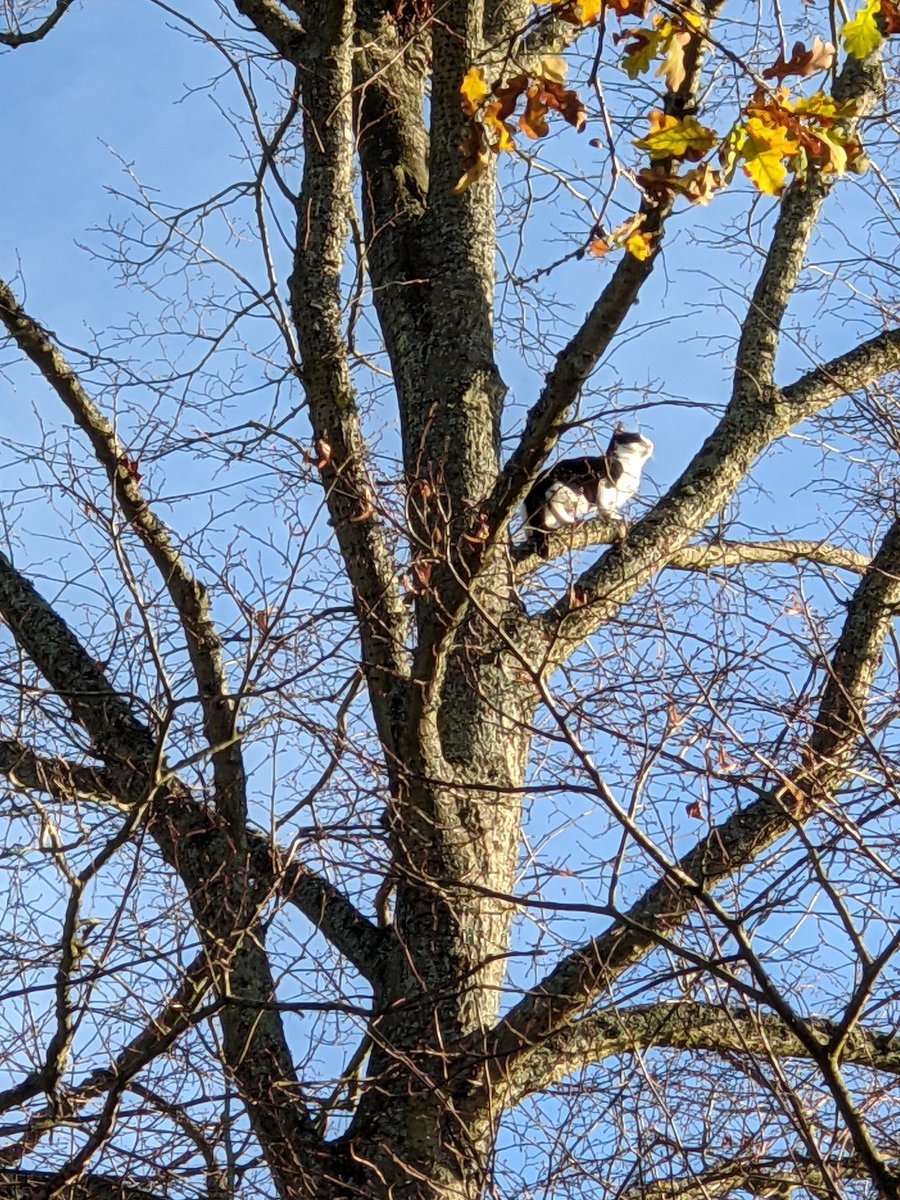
point(56, 777)
point(590, 971)
point(323, 209)
point(283, 34)
point(709, 556)
point(189, 596)
point(691, 1026)
point(764, 1176)
point(850, 372)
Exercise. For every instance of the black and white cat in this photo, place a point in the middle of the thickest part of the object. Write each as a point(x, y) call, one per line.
point(577, 488)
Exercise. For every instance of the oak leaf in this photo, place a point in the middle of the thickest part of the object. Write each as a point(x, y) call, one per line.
point(533, 121)
point(802, 62)
point(473, 90)
point(700, 184)
point(674, 41)
point(861, 35)
point(641, 46)
point(764, 150)
point(890, 17)
point(673, 137)
point(493, 121)
point(566, 103)
point(553, 68)
point(638, 246)
point(476, 156)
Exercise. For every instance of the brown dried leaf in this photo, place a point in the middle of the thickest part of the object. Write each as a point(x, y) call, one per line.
point(803, 62)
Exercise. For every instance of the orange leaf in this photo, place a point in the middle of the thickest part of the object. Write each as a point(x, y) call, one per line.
point(629, 8)
point(533, 121)
point(495, 123)
point(566, 104)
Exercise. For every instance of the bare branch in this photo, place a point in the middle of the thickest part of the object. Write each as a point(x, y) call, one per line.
point(25, 1185)
point(57, 777)
point(224, 896)
point(323, 210)
point(187, 594)
point(764, 1176)
point(329, 910)
point(735, 842)
point(688, 1025)
point(283, 34)
point(709, 556)
point(14, 40)
point(850, 372)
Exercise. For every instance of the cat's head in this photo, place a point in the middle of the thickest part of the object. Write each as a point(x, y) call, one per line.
point(629, 447)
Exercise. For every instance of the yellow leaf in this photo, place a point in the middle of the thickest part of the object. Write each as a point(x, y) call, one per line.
point(553, 67)
point(832, 156)
point(818, 105)
point(674, 138)
point(764, 150)
point(589, 10)
point(500, 128)
point(472, 172)
point(638, 246)
point(473, 89)
point(766, 169)
point(861, 35)
point(640, 50)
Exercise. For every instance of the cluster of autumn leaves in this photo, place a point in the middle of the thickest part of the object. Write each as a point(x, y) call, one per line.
point(776, 135)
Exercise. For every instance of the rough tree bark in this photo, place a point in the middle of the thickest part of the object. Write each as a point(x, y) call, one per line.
point(455, 679)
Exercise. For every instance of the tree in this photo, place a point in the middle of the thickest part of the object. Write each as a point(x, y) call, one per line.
point(294, 725)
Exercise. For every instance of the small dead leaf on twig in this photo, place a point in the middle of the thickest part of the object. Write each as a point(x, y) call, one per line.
point(694, 810)
point(320, 456)
point(481, 531)
point(130, 467)
point(368, 511)
point(577, 597)
point(261, 619)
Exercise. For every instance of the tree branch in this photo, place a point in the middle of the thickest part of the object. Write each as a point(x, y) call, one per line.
point(589, 971)
point(323, 210)
point(283, 35)
point(757, 413)
point(14, 40)
point(26, 1185)
point(327, 908)
point(764, 1176)
point(709, 556)
point(188, 595)
point(224, 896)
point(56, 777)
point(687, 1025)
